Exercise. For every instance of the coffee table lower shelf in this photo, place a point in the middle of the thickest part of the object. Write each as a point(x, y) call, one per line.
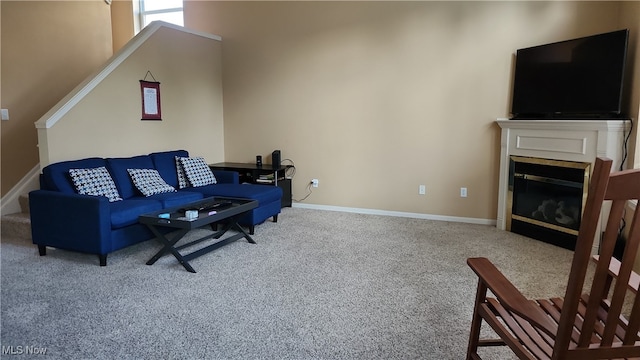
point(229, 216)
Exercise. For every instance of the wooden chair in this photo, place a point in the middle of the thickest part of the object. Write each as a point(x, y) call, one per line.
point(585, 324)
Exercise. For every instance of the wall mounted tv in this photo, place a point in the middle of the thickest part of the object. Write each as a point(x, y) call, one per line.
point(574, 79)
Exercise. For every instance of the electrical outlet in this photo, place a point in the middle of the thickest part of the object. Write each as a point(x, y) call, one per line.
point(422, 190)
point(314, 182)
point(463, 192)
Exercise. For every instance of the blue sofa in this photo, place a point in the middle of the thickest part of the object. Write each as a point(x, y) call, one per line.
point(62, 218)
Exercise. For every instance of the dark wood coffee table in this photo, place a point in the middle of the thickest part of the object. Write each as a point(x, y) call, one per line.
point(176, 219)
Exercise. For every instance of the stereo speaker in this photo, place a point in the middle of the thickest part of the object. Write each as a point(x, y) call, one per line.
point(275, 159)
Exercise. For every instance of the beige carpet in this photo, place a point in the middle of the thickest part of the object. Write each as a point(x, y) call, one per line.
point(317, 285)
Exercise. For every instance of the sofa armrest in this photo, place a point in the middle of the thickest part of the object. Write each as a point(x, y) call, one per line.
point(71, 221)
point(226, 176)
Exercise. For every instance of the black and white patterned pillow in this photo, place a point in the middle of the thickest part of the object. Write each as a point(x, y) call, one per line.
point(197, 171)
point(149, 182)
point(96, 182)
point(182, 178)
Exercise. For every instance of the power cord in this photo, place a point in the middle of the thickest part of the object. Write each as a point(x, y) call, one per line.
point(306, 196)
point(625, 151)
point(290, 172)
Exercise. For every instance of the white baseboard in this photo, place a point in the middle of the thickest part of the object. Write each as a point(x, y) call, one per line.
point(491, 222)
point(9, 204)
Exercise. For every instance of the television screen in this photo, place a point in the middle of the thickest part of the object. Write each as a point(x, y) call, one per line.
point(579, 78)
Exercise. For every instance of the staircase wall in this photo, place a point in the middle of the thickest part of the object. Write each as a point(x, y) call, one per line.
point(102, 117)
point(48, 48)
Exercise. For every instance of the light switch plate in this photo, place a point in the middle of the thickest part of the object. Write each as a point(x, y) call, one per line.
point(5, 114)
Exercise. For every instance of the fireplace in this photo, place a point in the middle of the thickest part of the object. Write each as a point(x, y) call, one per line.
point(546, 198)
point(563, 140)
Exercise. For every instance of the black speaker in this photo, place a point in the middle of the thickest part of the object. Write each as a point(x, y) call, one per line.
point(275, 159)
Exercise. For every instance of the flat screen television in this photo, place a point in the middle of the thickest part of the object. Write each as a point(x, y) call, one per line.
point(580, 78)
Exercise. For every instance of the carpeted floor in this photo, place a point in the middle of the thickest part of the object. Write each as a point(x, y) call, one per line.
point(317, 285)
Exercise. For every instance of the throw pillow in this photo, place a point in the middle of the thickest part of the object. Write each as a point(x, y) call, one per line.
point(96, 182)
point(182, 178)
point(149, 182)
point(197, 171)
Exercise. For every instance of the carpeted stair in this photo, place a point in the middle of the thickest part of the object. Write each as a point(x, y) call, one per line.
point(18, 225)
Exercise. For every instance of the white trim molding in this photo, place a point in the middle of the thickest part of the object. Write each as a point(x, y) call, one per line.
point(468, 220)
point(10, 204)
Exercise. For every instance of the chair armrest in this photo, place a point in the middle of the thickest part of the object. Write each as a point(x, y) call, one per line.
point(70, 221)
point(509, 296)
point(614, 270)
point(226, 176)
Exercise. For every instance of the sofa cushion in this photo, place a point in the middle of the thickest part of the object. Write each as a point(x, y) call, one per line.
point(226, 177)
point(118, 169)
point(176, 198)
point(165, 163)
point(197, 171)
point(263, 193)
point(126, 212)
point(149, 182)
point(183, 182)
point(96, 182)
point(56, 176)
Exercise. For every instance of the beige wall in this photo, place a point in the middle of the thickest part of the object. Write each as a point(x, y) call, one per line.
point(121, 23)
point(48, 47)
point(630, 18)
point(372, 98)
point(107, 121)
point(376, 98)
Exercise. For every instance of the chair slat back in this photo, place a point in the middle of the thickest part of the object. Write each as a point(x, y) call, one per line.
point(579, 266)
point(618, 188)
point(623, 186)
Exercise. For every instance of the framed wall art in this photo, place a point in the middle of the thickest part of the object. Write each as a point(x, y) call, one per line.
point(150, 91)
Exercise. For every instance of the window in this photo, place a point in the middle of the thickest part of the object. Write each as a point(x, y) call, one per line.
point(165, 10)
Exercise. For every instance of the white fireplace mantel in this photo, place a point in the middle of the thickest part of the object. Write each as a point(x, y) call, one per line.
point(569, 140)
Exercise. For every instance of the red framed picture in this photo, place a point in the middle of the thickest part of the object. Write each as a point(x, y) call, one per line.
point(150, 92)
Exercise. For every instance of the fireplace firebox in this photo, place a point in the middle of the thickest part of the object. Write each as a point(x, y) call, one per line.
point(545, 199)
